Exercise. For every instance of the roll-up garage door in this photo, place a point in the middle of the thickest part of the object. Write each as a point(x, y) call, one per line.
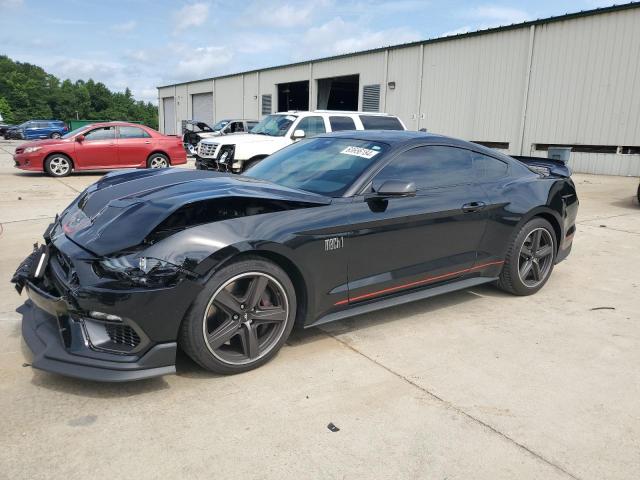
point(169, 112)
point(202, 107)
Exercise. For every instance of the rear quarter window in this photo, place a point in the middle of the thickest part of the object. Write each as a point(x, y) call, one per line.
point(375, 122)
point(488, 168)
point(341, 123)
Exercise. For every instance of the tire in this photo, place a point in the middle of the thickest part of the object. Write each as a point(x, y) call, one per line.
point(58, 165)
point(250, 164)
point(158, 160)
point(227, 329)
point(55, 135)
point(528, 266)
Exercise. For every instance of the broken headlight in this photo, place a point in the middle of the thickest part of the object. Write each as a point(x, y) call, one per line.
point(225, 157)
point(142, 271)
point(75, 220)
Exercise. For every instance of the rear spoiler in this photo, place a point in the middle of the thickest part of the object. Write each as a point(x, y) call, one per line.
point(545, 166)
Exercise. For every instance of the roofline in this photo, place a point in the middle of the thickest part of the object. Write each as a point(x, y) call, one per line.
point(514, 26)
point(333, 112)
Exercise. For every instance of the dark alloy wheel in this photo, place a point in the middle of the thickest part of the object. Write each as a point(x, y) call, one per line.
point(530, 258)
point(536, 257)
point(248, 314)
point(245, 318)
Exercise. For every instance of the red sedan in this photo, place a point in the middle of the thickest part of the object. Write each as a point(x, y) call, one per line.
point(101, 146)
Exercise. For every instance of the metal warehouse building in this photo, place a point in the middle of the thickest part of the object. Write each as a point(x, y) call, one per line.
point(572, 80)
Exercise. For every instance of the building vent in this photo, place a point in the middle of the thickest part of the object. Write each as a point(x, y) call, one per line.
point(266, 104)
point(371, 98)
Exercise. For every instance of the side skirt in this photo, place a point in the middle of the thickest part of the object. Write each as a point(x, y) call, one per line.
point(401, 299)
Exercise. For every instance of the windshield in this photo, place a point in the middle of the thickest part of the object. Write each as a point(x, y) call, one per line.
point(274, 125)
point(73, 133)
point(327, 166)
point(220, 125)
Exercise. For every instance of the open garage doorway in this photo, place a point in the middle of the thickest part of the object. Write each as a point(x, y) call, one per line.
point(293, 96)
point(338, 93)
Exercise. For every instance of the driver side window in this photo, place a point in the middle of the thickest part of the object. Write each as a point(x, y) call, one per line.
point(429, 167)
point(102, 133)
point(312, 126)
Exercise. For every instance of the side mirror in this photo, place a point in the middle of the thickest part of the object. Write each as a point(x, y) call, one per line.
point(394, 188)
point(80, 138)
point(298, 134)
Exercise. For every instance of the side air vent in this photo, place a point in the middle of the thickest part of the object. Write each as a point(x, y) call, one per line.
point(371, 98)
point(266, 104)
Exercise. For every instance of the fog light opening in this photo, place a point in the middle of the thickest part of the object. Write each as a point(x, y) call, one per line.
point(108, 317)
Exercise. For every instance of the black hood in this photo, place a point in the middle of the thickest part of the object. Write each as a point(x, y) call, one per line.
point(124, 207)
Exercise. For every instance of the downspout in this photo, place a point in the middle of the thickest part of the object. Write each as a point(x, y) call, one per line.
point(386, 80)
point(312, 107)
point(419, 114)
point(523, 118)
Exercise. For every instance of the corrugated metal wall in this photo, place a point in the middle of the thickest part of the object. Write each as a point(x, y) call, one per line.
point(585, 89)
point(473, 88)
point(251, 98)
point(403, 68)
point(571, 82)
point(228, 99)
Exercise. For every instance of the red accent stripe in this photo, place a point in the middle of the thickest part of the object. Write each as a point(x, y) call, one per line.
point(418, 282)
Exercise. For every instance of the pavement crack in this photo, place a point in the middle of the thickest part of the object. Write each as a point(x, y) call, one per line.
point(458, 410)
point(69, 186)
point(612, 228)
point(27, 220)
point(606, 217)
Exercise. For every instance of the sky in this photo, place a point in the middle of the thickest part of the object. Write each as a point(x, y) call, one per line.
point(142, 44)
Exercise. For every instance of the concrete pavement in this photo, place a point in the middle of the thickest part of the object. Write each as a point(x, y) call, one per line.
point(474, 384)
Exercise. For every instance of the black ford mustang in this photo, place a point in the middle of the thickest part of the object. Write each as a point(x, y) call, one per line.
point(333, 226)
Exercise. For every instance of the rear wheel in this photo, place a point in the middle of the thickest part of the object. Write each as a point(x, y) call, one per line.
point(58, 165)
point(242, 317)
point(158, 160)
point(530, 259)
point(55, 135)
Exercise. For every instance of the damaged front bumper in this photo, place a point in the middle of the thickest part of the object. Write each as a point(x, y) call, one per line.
point(45, 335)
point(94, 333)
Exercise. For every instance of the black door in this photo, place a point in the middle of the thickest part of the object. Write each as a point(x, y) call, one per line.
point(411, 242)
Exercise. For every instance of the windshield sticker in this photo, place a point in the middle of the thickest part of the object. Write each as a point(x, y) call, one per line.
point(360, 152)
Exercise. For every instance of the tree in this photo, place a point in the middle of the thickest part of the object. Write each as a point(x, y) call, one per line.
point(30, 92)
point(5, 110)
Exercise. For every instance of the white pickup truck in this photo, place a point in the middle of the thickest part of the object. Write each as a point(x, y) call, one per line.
point(236, 153)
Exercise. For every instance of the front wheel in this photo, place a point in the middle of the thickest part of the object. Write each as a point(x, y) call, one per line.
point(241, 318)
point(250, 164)
point(58, 165)
point(158, 160)
point(530, 259)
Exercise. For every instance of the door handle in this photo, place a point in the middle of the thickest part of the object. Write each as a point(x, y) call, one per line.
point(147, 141)
point(473, 207)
